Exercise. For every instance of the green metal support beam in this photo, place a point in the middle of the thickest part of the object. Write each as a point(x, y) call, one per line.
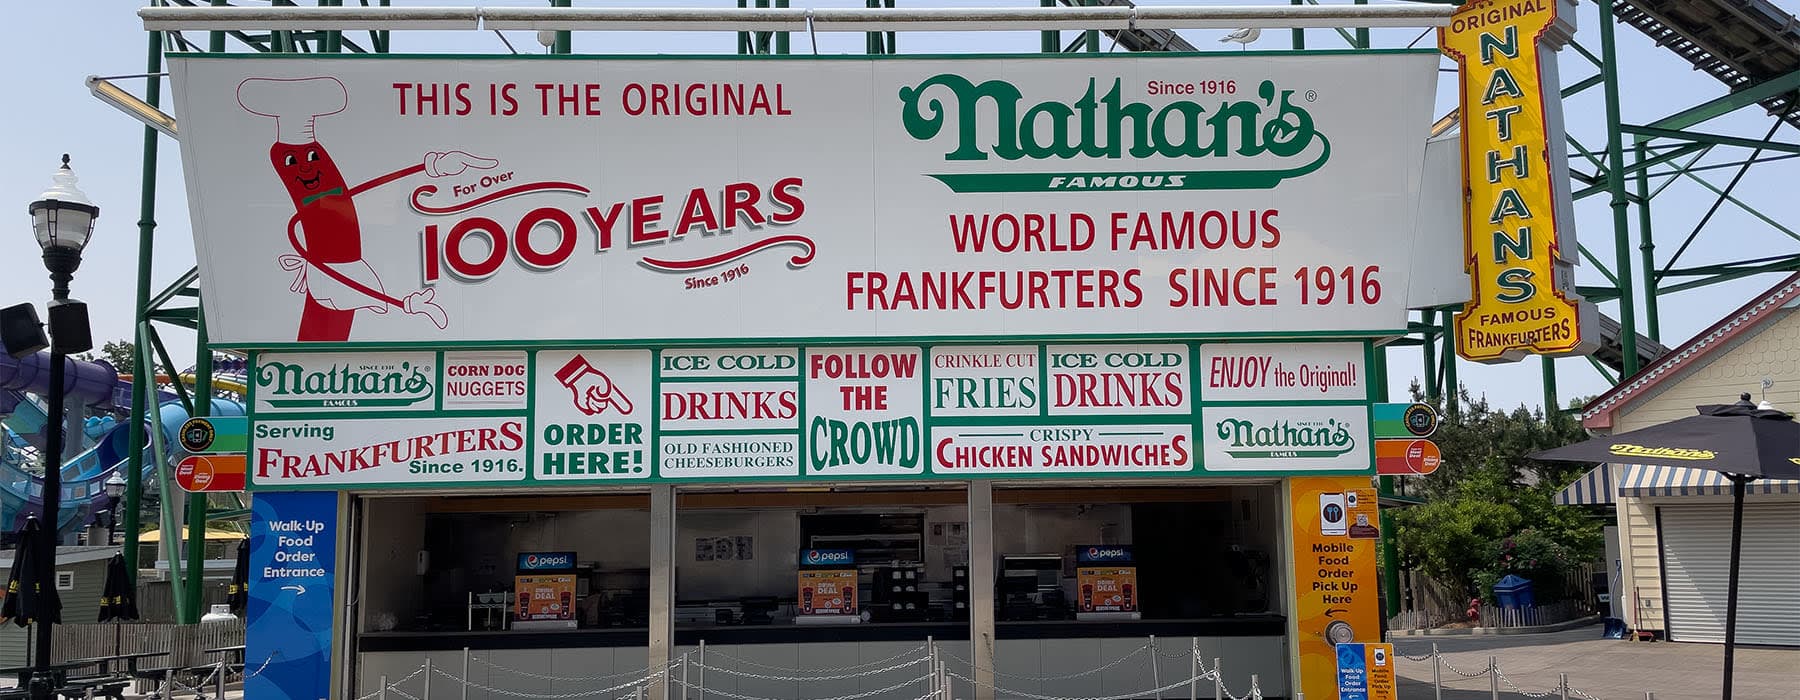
point(196, 502)
point(1647, 246)
point(143, 376)
point(1727, 104)
point(1615, 187)
point(1645, 133)
point(1583, 84)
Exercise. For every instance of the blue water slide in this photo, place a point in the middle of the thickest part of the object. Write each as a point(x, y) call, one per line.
point(105, 440)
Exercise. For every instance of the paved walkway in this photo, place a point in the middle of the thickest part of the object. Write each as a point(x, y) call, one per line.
point(1608, 669)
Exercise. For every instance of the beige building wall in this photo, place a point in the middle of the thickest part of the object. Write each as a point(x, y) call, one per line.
point(1774, 353)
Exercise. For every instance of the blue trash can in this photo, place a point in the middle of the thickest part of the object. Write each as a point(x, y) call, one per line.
point(1614, 628)
point(1514, 592)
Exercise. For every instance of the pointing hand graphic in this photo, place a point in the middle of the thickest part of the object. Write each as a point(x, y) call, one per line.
point(591, 390)
point(454, 163)
point(420, 302)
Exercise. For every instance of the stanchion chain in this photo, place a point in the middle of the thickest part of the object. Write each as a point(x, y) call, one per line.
point(643, 680)
point(1518, 689)
point(836, 677)
point(1453, 669)
point(636, 673)
point(1034, 696)
point(1409, 657)
point(999, 674)
point(858, 696)
point(784, 669)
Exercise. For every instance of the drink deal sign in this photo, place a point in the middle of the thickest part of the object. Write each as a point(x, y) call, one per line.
point(449, 200)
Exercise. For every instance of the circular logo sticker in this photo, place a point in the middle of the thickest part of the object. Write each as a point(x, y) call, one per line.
point(1421, 420)
point(197, 435)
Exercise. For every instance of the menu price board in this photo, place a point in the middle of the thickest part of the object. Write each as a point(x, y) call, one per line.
point(1107, 589)
point(544, 598)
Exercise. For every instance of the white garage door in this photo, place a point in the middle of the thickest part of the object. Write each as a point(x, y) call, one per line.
point(1696, 546)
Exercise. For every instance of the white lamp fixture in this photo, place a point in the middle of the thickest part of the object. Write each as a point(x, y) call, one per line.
point(115, 485)
point(63, 217)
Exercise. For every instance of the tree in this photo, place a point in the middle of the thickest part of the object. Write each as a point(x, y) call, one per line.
point(1488, 499)
point(121, 354)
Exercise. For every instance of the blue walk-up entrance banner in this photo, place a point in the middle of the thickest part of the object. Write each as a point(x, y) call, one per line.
point(288, 619)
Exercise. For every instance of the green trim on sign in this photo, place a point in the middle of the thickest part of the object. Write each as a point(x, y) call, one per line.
point(969, 183)
point(1281, 336)
point(779, 58)
point(438, 393)
point(654, 468)
point(531, 416)
point(729, 432)
point(792, 379)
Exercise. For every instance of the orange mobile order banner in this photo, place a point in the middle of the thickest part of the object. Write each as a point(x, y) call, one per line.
point(828, 592)
point(1336, 596)
point(544, 597)
point(1107, 588)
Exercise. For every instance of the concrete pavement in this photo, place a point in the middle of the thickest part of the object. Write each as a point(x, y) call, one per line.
point(1608, 669)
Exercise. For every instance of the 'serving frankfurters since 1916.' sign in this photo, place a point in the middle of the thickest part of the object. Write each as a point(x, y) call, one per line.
point(456, 201)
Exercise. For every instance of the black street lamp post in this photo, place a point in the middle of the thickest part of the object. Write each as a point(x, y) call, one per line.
point(115, 489)
point(63, 220)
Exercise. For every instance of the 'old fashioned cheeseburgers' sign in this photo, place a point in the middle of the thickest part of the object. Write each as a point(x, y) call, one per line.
point(1521, 243)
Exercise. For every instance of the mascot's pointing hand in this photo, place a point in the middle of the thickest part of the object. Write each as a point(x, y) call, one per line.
point(419, 302)
point(455, 163)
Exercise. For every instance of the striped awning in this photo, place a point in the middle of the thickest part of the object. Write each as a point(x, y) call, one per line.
point(1640, 480)
point(1595, 488)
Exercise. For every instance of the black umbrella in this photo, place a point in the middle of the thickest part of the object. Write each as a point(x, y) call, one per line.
point(118, 600)
point(238, 594)
point(30, 596)
point(1743, 442)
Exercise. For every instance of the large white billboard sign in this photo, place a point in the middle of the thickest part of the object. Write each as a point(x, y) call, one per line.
point(463, 200)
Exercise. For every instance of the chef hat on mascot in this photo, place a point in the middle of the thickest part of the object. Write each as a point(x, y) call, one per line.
point(294, 103)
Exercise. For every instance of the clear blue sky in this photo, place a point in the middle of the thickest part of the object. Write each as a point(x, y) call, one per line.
point(63, 42)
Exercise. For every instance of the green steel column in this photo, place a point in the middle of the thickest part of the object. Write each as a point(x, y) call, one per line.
point(1433, 388)
point(193, 585)
point(564, 42)
point(1550, 404)
point(781, 38)
point(1452, 392)
point(215, 41)
point(1647, 248)
point(143, 384)
point(1092, 36)
point(871, 40)
point(762, 38)
point(893, 38)
point(1049, 41)
point(1362, 33)
point(1390, 562)
point(1299, 34)
point(744, 46)
point(334, 40)
point(1615, 186)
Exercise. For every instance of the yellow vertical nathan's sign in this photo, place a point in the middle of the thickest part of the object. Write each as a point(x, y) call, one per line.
point(1336, 595)
point(1519, 226)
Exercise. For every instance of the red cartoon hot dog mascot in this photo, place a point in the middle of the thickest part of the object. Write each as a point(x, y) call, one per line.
point(324, 232)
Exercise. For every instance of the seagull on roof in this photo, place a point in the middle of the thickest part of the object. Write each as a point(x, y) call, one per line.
point(1243, 36)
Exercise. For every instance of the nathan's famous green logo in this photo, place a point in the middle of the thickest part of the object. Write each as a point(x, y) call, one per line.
point(285, 385)
point(1284, 439)
point(1256, 143)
